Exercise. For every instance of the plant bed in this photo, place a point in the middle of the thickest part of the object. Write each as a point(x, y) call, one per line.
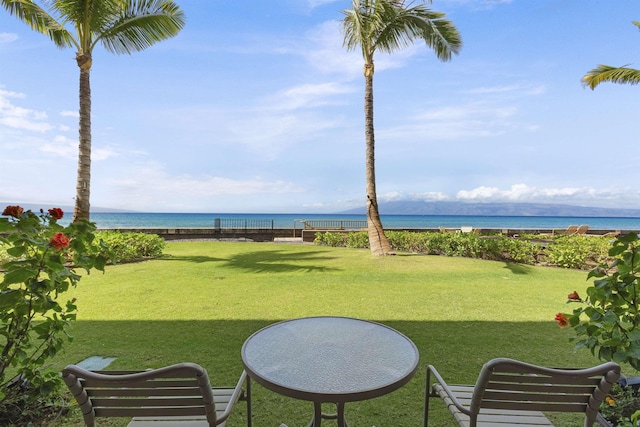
point(622, 407)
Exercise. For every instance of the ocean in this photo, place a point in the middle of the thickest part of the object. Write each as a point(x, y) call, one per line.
point(290, 221)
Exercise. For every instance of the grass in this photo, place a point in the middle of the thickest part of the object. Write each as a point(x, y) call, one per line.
point(203, 299)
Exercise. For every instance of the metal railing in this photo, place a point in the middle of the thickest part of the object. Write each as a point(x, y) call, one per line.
point(242, 224)
point(333, 224)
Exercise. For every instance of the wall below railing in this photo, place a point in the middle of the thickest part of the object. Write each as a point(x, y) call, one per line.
point(215, 233)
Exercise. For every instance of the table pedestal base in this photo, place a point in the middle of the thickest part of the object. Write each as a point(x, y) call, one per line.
point(318, 415)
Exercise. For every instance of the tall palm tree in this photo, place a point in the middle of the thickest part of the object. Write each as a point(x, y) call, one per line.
point(121, 26)
point(606, 73)
point(388, 26)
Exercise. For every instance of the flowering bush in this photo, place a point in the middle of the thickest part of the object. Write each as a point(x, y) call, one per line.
point(41, 263)
point(607, 322)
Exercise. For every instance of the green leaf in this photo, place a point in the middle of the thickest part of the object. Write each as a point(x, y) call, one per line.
point(19, 275)
point(634, 335)
point(9, 299)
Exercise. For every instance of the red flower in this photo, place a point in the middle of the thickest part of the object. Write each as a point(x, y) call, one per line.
point(563, 321)
point(573, 296)
point(56, 213)
point(14, 211)
point(59, 241)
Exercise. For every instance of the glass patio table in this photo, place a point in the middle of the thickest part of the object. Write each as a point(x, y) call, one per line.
point(330, 360)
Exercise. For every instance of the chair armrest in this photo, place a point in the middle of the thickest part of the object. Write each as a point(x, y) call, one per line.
point(431, 370)
point(237, 393)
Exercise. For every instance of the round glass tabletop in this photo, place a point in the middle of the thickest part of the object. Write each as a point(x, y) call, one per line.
point(330, 359)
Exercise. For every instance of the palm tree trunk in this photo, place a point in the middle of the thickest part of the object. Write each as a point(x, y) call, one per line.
point(378, 242)
point(83, 184)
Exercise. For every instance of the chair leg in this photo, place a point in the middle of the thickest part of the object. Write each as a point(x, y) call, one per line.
point(249, 414)
point(427, 395)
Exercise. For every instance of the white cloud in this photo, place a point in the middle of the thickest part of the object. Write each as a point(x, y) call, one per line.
point(8, 37)
point(308, 96)
point(564, 195)
point(68, 148)
point(516, 89)
point(316, 3)
point(16, 117)
point(67, 113)
point(61, 146)
point(523, 193)
point(149, 186)
point(471, 120)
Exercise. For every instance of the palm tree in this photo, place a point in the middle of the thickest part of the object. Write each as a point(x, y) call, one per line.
point(121, 26)
point(606, 73)
point(387, 26)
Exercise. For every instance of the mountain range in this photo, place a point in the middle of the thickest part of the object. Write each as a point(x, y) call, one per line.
point(495, 209)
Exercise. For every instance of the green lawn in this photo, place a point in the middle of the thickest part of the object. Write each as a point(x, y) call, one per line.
point(203, 299)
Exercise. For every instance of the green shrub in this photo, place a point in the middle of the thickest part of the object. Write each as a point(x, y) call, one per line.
point(353, 239)
point(582, 252)
point(358, 240)
point(514, 250)
point(335, 240)
point(408, 241)
point(130, 246)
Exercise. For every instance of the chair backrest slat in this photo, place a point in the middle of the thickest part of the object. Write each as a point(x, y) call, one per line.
point(514, 377)
point(543, 388)
point(535, 406)
point(121, 392)
point(152, 402)
point(511, 384)
point(526, 397)
point(147, 412)
point(177, 390)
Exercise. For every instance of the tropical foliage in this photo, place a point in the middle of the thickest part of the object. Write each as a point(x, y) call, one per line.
point(33, 320)
point(388, 26)
point(607, 321)
point(121, 26)
point(578, 252)
point(607, 73)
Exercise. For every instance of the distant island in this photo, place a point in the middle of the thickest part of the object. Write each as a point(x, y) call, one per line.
point(494, 209)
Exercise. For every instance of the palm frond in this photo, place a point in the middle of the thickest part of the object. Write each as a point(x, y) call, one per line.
point(606, 73)
point(388, 25)
point(357, 26)
point(419, 22)
point(39, 20)
point(141, 24)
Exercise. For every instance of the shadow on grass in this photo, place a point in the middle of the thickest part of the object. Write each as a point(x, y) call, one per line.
point(265, 261)
point(518, 268)
point(457, 349)
point(278, 261)
point(193, 258)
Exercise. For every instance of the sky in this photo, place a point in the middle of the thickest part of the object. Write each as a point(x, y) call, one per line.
point(256, 107)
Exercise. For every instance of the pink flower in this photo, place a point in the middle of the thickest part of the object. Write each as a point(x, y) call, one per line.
point(56, 213)
point(573, 296)
point(563, 321)
point(59, 241)
point(14, 211)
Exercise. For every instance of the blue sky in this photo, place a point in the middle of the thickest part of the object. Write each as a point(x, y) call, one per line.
point(260, 109)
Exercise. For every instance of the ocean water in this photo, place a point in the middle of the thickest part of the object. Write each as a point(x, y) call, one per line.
point(290, 221)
